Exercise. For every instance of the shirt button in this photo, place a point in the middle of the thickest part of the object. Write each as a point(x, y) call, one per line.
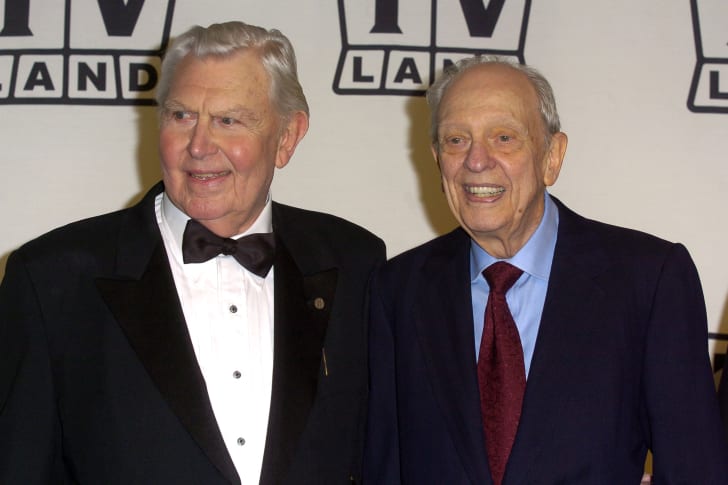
point(241, 441)
point(237, 374)
point(233, 309)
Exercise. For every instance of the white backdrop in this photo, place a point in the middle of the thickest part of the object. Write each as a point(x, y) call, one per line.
point(638, 156)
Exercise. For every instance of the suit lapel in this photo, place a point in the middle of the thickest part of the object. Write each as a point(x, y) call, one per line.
point(302, 308)
point(573, 299)
point(143, 299)
point(445, 331)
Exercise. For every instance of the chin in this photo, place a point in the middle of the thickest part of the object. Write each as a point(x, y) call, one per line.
point(204, 213)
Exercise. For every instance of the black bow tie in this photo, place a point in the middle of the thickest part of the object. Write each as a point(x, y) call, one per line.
point(254, 252)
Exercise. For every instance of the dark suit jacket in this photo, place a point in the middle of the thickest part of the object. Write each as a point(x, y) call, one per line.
point(620, 366)
point(99, 382)
point(723, 396)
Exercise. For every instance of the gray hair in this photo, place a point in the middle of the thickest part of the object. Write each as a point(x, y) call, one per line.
point(546, 100)
point(225, 39)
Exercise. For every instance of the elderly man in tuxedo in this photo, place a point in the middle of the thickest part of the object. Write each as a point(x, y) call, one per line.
point(208, 334)
point(532, 345)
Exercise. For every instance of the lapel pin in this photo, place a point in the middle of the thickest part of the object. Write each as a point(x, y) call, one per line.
point(319, 303)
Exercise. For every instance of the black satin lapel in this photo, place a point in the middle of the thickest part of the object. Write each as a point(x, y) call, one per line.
point(445, 330)
point(149, 312)
point(302, 306)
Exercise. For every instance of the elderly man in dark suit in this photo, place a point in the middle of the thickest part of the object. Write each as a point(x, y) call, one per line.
point(532, 345)
point(156, 344)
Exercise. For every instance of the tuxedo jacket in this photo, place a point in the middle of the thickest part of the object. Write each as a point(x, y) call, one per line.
point(98, 378)
point(620, 366)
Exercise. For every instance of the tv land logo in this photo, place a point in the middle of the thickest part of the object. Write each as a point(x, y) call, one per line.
point(82, 51)
point(397, 46)
point(709, 87)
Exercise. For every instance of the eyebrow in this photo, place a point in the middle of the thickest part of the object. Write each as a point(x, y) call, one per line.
point(503, 122)
point(238, 112)
point(172, 106)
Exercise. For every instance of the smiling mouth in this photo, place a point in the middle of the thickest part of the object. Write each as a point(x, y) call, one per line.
point(479, 191)
point(207, 176)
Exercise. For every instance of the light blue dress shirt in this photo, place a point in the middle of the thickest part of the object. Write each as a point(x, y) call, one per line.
point(527, 296)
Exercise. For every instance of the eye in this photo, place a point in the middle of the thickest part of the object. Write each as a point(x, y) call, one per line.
point(227, 121)
point(179, 115)
point(455, 141)
point(506, 141)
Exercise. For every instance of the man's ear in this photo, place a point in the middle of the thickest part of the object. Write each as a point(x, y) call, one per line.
point(435, 153)
point(436, 156)
point(554, 158)
point(294, 130)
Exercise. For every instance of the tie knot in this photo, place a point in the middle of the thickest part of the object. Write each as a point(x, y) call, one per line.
point(229, 246)
point(501, 276)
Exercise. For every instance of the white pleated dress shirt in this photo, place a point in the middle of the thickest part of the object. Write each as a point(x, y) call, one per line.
point(229, 314)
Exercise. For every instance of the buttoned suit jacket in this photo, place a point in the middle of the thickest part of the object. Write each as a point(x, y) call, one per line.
point(620, 366)
point(99, 382)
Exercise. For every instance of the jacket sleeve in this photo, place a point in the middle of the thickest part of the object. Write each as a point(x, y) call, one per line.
point(723, 397)
point(381, 452)
point(30, 440)
point(688, 443)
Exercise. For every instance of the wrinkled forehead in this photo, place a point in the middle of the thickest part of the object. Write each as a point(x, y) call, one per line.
point(491, 90)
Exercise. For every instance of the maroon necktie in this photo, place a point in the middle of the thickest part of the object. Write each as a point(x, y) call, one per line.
point(501, 372)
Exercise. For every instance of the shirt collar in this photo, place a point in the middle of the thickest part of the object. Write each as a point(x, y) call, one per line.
point(535, 257)
point(177, 220)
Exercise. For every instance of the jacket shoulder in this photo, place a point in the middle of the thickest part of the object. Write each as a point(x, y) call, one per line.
point(611, 238)
point(85, 234)
point(322, 228)
point(446, 245)
point(93, 238)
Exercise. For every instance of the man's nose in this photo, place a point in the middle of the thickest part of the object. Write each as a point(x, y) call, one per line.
point(480, 157)
point(202, 142)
